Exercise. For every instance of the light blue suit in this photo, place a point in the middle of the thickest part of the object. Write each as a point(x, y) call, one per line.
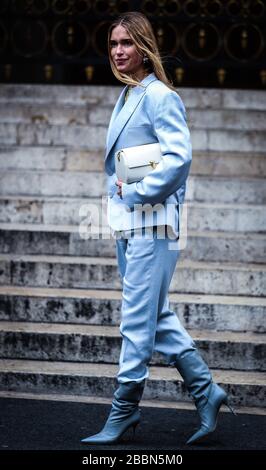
point(151, 114)
point(146, 265)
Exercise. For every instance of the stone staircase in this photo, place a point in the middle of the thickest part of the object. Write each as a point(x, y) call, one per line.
point(60, 294)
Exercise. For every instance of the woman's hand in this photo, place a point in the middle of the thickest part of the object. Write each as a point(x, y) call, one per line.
point(119, 190)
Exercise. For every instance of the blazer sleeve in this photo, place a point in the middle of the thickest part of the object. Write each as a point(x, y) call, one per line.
point(171, 173)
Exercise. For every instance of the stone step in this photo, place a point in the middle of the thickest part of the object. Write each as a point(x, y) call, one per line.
point(66, 240)
point(72, 159)
point(61, 114)
point(102, 344)
point(90, 137)
point(89, 399)
point(230, 119)
point(201, 216)
point(53, 183)
point(222, 190)
point(228, 164)
point(93, 184)
point(68, 95)
point(93, 137)
point(164, 383)
point(68, 159)
point(103, 307)
point(202, 98)
point(102, 273)
point(58, 114)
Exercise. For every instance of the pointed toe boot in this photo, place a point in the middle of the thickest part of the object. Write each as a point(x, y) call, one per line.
point(124, 414)
point(207, 395)
point(208, 408)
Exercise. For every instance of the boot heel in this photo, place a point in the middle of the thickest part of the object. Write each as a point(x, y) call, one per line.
point(134, 429)
point(226, 402)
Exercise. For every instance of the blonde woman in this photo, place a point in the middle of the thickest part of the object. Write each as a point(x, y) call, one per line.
point(149, 110)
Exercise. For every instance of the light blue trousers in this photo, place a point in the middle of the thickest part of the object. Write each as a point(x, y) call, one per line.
point(146, 267)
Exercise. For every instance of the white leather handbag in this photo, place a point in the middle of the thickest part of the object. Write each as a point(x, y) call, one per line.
point(133, 163)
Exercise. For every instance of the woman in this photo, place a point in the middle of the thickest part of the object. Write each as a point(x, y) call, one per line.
point(149, 110)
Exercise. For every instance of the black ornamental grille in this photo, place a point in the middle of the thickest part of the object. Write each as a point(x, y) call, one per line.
point(207, 43)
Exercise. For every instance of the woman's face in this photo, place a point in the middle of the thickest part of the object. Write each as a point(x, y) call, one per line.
point(124, 53)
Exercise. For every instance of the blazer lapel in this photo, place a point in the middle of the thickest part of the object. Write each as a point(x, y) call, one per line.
point(122, 112)
point(116, 110)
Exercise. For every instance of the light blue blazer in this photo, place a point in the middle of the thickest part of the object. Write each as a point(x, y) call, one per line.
point(151, 114)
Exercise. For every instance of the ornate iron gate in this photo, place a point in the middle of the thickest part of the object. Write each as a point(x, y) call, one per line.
point(205, 43)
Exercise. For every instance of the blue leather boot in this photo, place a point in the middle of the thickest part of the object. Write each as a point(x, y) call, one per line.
point(124, 414)
point(208, 396)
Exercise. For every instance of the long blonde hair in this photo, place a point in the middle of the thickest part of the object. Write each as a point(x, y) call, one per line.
point(141, 33)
